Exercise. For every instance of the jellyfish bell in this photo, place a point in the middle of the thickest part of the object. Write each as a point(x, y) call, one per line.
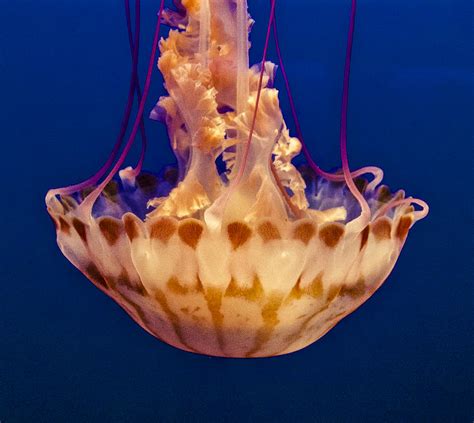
point(259, 260)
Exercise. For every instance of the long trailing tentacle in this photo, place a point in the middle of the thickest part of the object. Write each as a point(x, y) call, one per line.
point(133, 87)
point(134, 49)
point(375, 171)
point(365, 209)
point(348, 177)
point(88, 203)
point(245, 156)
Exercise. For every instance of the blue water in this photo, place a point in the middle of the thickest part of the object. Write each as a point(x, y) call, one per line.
point(70, 354)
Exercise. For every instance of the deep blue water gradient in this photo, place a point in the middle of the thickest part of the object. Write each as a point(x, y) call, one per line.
point(70, 354)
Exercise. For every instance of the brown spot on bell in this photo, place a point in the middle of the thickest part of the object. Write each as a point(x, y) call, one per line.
point(254, 293)
point(131, 228)
point(403, 227)
point(80, 229)
point(304, 232)
point(268, 231)
point(382, 229)
point(111, 229)
point(364, 236)
point(190, 232)
point(163, 229)
point(238, 233)
point(331, 234)
point(93, 273)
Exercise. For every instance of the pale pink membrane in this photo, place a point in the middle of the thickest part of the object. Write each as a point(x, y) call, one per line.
point(134, 41)
point(92, 197)
point(375, 171)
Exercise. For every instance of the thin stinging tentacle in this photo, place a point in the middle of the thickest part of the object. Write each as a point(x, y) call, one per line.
point(365, 210)
point(90, 200)
point(259, 91)
point(375, 171)
point(93, 180)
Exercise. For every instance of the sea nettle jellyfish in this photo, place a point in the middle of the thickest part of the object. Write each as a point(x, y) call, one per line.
point(259, 259)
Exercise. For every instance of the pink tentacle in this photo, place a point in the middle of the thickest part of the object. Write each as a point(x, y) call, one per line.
point(88, 203)
point(93, 180)
point(375, 171)
point(134, 46)
point(257, 101)
point(365, 210)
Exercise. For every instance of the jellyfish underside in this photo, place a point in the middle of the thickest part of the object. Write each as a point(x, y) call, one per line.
point(259, 260)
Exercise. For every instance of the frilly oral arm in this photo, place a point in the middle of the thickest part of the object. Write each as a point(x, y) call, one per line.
point(195, 127)
point(213, 95)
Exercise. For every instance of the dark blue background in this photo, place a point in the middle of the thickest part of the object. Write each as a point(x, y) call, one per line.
point(70, 354)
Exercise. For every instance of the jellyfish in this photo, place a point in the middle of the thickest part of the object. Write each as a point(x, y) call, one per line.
point(235, 251)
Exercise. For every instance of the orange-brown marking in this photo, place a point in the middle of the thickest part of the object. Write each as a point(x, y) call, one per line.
point(254, 293)
point(270, 320)
point(111, 229)
point(131, 228)
point(334, 292)
point(172, 317)
point(214, 302)
point(92, 272)
point(403, 227)
point(298, 333)
point(190, 232)
point(354, 291)
point(384, 194)
point(125, 280)
point(175, 287)
point(268, 231)
point(314, 289)
point(364, 237)
point(331, 234)
point(381, 229)
point(80, 229)
point(163, 229)
point(304, 232)
point(238, 233)
point(64, 226)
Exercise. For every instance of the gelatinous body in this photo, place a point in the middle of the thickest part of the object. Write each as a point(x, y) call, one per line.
point(260, 260)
